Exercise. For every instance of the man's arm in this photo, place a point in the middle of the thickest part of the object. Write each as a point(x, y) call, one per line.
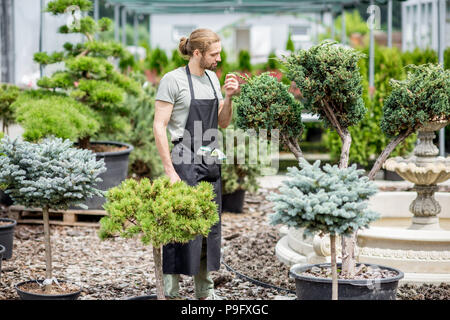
point(231, 87)
point(163, 111)
point(225, 112)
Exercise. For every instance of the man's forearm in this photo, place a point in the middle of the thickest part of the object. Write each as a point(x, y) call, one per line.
point(163, 148)
point(226, 113)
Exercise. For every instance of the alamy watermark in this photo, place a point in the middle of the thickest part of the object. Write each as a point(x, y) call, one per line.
point(73, 20)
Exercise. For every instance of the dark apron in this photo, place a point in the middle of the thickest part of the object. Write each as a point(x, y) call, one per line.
point(203, 115)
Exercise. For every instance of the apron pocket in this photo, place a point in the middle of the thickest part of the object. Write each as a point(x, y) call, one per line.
point(208, 172)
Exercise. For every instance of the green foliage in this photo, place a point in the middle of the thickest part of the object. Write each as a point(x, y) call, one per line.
point(177, 60)
point(330, 200)
point(59, 6)
point(8, 94)
point(160, 212)
point(328, 74)
point(244, 63)
point(144, 160)
point(272, 62)
point(290, 44)
point(424, 96)
point(447, 58)
point(157, 60)
point(419, 56)
point(265, 103)
point(240, 173)
point(368, 141)
point(354, 23)
point(44, 114)
point(50, 174)
point(88, 78)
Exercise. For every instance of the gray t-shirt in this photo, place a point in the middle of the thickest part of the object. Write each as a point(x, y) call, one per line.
point(174, 88)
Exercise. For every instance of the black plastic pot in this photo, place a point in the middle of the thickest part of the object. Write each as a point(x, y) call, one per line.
point(7, 236)
point(116, 171)
point(233, 202)
point(5, 199)
point(312, 288)
point(2, 250)
point(24, 295)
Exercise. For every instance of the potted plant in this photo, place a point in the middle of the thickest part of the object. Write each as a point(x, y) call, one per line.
point(160, 213)
point(90, 80)
point(332, 201)
point(330, 82)
point(48, 175)
point(238, 175)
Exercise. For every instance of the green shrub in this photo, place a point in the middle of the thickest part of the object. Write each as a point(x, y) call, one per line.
point(8, 95)
point(244, 61)
point(88, 78)
point(157, 60)
point(290, 44)
point(160, 213)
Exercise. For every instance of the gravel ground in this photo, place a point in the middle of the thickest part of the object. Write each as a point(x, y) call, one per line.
point(119, 269)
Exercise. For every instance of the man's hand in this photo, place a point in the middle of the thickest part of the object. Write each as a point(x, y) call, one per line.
point(174, 177)
point(231, 85)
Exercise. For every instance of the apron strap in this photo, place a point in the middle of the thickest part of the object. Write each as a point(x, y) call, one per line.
point(191, 87)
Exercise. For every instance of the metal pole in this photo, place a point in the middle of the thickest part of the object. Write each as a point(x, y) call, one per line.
point(96, 15)
point(389, 30)
point(150, 31)
point(441, 16)
point(333, 31)
point(343, 32)
point(41, 34)
point(371, 59)
point(116, 22)
point(135, 27)
point(124, 24)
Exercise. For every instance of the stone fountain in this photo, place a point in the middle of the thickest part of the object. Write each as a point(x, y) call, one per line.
point(425, 170)
point(413, 233)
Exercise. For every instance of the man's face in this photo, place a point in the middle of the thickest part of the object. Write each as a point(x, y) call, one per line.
point(211, 57)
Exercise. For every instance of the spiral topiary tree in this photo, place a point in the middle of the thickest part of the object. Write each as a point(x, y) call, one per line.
point(160, 212)
point(330, 200)
point(48, 175)
point(88, 78)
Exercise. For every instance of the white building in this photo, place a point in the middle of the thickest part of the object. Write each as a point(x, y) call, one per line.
point(420, 24)
point(258, 34)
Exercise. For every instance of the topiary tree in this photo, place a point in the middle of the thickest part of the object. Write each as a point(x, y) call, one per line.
point(161, 213)
point(331, 200)
point(265, 103)
point(8, 94)
point(329, 80)
point(88, 77)
point(290, 44)
point(423, 97)
point(48, 175)
point(157, 60)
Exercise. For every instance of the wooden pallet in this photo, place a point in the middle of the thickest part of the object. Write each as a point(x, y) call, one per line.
point(57, 217)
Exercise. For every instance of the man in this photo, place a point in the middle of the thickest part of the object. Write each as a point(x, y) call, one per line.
point(189, 103)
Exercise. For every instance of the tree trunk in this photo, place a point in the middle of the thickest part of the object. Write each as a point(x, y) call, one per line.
point(348, 255)
point(293, 146)
point(387, 151)
point(48, 248)
point(84, 142)
point(158, 273)
point(334, 278)
point(345, 150)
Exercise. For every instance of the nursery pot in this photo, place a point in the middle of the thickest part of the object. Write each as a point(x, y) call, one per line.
point(2, 251)
point(25, 295)
point(233, 202)
point(5, 199)
point(116, 163)
point(7, 236)
point(312, 288)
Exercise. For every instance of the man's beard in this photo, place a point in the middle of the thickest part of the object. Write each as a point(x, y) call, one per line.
point(204, 65)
